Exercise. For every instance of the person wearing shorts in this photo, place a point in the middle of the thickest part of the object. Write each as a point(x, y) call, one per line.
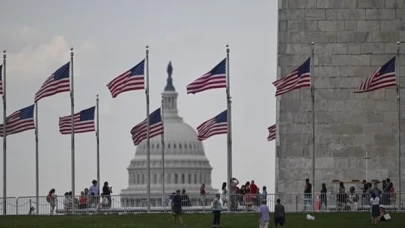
point(176, 206)
point(279, 214)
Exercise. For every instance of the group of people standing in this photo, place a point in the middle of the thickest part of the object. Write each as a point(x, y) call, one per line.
point(350, 200)
point(386, 193)
point(89, 198)
point(247, 195)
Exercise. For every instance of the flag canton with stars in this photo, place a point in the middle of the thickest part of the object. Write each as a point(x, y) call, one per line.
point(27, 113)
point(222, 117)
point(87, 114)
point(155, 117)
point(62, 72)
point(138, 70)
point(219, 69)
point(388, 68)
point(305, 68)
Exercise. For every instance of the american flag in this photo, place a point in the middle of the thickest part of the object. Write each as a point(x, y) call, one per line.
point(215, 126)
point(214, 79)
point(58, 82)
point(299, 78)
point(272, 133)
point(383, 77)
point(155, 128)
point(19, 121)
point(83, 122)
point(133, 79)
point(1, 79)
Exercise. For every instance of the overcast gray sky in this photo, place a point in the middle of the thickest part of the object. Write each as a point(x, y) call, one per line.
point(109, 37)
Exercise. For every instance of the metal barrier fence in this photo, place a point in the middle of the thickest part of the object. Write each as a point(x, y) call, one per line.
point(114, 204)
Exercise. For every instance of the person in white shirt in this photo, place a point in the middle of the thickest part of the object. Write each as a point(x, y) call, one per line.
point(67, 202)
point(94, 193)
point(94, 188)
point(375, 208)
point(51, 198)
point(103, 203)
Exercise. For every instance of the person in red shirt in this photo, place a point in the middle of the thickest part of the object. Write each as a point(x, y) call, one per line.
point(254, 190)
point(253, 187)
point(82, 201)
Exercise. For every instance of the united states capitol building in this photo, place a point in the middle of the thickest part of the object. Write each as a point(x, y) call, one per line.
point(186, 166)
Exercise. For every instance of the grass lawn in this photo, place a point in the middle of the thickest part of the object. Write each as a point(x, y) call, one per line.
point(327, 220)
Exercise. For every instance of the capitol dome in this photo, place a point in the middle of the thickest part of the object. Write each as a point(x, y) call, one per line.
point(186, 166)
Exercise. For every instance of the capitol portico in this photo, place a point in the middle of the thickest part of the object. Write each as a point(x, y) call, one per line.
point(186, 166)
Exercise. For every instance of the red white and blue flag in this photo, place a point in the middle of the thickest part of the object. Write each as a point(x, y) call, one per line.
point(299, 78)
point(58, 82)
point(215, 126)
point(19, 121)
point(139, 132)
point(272, 133)
point(383, 77)
point(83, 122)
point(214, 79)
point(133, 79)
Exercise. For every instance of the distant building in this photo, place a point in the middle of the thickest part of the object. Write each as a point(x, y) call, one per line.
point(186, 166)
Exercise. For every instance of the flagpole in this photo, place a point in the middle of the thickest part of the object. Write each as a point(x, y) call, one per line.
point(229, 138)
point(36, 158)
point(147, 123)
point(313, 121)
point(98, 140)
point(163, 155)
point(399, 121)
point(73, 127)
point(4, 136)
point(366, 158)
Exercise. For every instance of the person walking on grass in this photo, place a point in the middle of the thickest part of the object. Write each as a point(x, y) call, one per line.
point(279, 214)
point(217, 209)
point(264, 215)
point(176, 206)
